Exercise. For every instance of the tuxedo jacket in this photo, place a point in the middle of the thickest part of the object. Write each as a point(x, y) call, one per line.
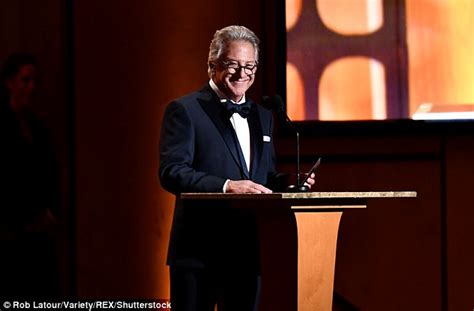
point(199, 151)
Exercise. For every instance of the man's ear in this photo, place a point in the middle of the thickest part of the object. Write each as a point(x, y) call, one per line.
point(212, 68)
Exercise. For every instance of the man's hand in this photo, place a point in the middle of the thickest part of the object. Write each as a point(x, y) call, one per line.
point(310, 181)
point(245, 186)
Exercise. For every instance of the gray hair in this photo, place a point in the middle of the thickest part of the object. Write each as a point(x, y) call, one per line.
point(223, 37)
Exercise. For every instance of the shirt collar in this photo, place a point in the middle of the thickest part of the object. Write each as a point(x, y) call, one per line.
point(221, 94)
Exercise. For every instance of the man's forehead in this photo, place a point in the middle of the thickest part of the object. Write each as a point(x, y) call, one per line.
point(240, 49)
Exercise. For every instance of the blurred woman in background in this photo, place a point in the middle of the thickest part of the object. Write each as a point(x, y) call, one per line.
point(29, 196)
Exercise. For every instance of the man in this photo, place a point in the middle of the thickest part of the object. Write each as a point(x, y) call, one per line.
point(217, 140)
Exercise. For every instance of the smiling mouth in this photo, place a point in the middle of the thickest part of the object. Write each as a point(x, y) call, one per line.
point(239, 81)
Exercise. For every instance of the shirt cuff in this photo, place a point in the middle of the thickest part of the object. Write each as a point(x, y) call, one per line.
point(225, 186)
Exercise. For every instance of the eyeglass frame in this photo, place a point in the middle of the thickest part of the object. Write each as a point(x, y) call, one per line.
point(237, 67)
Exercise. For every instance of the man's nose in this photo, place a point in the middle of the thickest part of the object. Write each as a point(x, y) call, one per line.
point(242, 73)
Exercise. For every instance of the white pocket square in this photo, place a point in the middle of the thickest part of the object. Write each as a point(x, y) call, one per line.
point(267, 139)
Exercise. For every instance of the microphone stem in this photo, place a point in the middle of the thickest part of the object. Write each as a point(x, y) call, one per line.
point(293, 127)
point(297, 159)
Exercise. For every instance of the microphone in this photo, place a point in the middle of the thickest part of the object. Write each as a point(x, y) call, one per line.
point(275, 103)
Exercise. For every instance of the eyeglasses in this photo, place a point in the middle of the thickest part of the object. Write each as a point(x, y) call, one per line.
point(232, 67)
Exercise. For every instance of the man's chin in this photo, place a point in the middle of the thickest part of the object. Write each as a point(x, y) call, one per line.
point(236, 96)
point(237, 91)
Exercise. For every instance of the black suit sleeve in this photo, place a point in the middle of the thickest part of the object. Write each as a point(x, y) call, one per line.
point(177, 141)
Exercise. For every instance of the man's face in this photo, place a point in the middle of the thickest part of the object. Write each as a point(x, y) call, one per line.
point(229, 77)
point(23, 85)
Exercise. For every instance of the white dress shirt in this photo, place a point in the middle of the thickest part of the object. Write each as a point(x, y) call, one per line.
point(240, 126)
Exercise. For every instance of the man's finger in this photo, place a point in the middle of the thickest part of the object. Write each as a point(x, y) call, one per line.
point(262, 189)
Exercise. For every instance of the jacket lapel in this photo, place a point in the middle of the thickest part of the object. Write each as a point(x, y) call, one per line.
point(216, 112)
point(256, 139)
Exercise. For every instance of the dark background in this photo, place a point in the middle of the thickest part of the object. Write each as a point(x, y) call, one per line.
point(111, 66)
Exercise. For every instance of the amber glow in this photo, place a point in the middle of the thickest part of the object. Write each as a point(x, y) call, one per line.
point(352, 88)
point(293, 11)
point(354, 17)
point(347, 90)
point(441, 52)
point(295, 94)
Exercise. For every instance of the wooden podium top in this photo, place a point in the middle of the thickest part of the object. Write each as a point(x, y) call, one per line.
point(300, 196)
point(307, 200)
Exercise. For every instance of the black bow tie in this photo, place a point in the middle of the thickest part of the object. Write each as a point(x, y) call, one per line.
point(242, 109)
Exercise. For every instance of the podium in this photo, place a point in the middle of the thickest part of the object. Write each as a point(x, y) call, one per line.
point(317, 215)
